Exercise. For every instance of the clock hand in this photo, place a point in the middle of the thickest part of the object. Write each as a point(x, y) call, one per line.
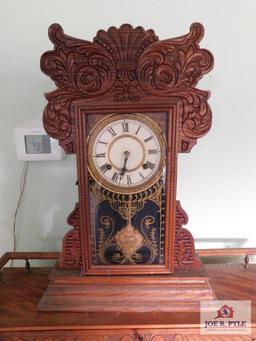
point(124, 169)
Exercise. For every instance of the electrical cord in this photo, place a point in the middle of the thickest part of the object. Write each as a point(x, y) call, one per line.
point(23, 179)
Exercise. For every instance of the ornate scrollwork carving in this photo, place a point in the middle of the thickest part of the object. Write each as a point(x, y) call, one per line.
point(184, 253)
point(79, 69)
point(78, 66)
point(125, 46)
point(173, 67)
point(71, 257)
point(174, 64)
point(126, 64)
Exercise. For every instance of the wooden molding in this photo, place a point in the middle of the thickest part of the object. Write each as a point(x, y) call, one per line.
point(227, 252)
point(27, 255)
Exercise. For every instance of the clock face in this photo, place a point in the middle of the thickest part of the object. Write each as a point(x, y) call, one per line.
point(126, 152)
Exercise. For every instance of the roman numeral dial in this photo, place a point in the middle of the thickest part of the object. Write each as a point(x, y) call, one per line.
point(126, 152)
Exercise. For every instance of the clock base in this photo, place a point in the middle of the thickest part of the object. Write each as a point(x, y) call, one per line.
point(68, 291)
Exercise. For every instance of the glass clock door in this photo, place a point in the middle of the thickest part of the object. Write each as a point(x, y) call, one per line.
point(127, 169)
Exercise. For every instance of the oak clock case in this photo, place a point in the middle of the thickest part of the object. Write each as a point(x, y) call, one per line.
point(126, 171)
point(127, 104)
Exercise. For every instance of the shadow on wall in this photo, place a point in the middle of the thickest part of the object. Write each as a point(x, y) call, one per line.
point(213, 243)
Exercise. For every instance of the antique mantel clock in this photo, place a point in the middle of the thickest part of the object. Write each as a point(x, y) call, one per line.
point(126, 104)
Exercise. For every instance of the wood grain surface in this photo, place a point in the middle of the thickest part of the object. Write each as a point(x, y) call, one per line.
point(20, 293)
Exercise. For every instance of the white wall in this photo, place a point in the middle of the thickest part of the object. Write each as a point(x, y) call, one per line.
point(217, 181)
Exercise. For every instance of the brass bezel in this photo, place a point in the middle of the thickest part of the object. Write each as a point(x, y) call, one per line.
point(97, 176)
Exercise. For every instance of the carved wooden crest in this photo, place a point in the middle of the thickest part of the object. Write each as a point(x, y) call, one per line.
point(125, 65)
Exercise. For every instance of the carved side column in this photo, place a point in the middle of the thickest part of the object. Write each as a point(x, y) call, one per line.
point(184, 254)
point(71, 253)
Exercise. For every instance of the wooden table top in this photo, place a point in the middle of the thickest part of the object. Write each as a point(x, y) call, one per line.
point(20, 293)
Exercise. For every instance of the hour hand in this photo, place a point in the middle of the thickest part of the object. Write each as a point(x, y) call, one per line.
point(124, 169)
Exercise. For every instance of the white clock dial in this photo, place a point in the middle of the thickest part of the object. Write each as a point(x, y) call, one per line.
point(126, 152)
